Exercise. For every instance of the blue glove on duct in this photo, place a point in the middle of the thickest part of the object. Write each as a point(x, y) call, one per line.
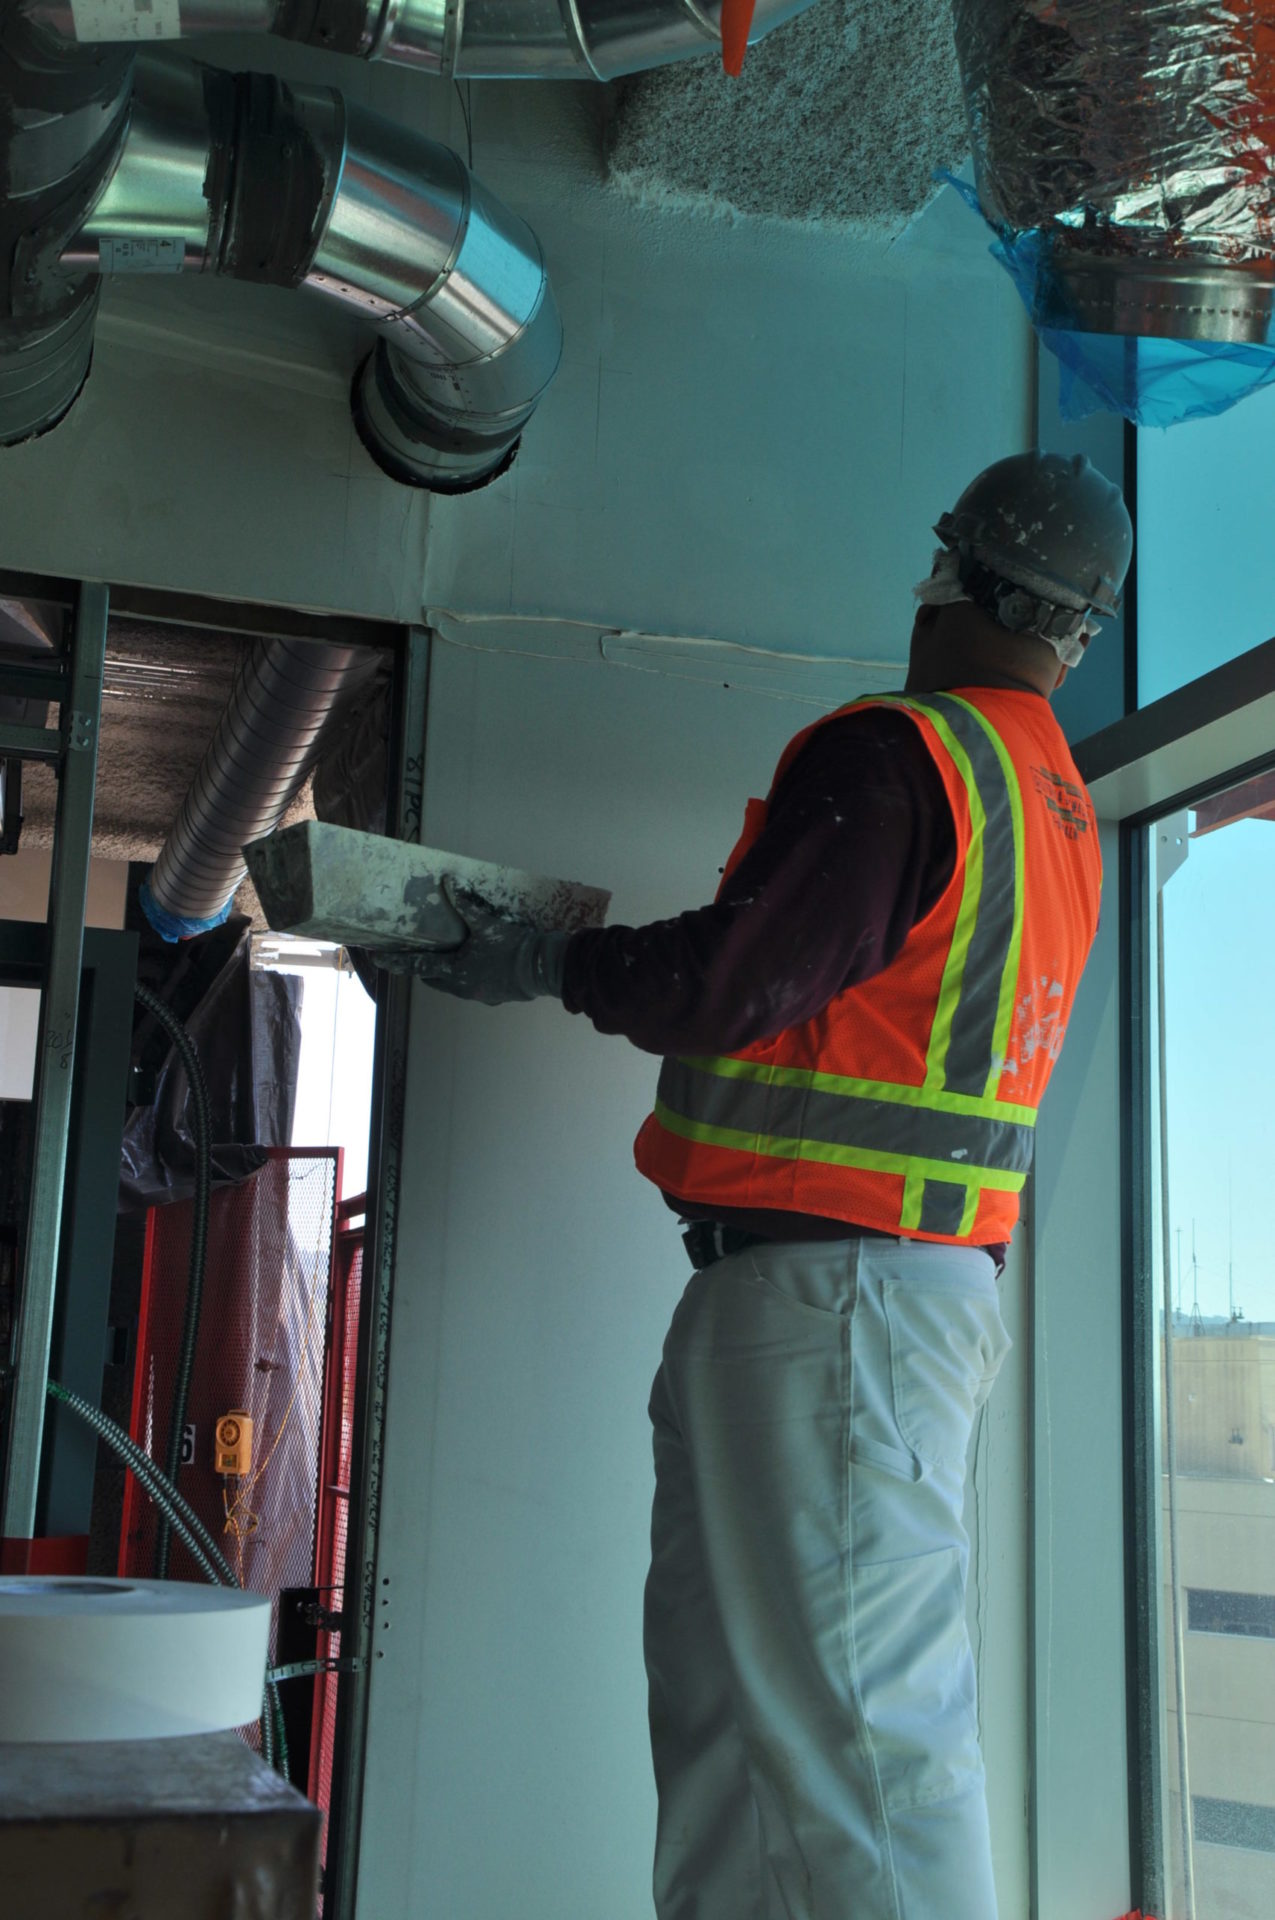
point(494, 961)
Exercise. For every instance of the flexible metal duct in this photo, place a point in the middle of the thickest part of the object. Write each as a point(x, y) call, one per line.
point(1126, 151)
point(461, 39)
point(256, 763)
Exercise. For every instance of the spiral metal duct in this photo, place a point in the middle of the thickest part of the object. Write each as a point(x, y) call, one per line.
point(242, 175)
point(1133, 146)
point(460, 39)
point(256, 763)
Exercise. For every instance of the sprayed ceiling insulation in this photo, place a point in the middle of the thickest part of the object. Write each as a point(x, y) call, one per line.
point(839, 118)
point(162, 694)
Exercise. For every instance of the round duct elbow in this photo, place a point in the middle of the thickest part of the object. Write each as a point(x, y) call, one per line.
point(416, 444)
point(456, 284)
point(43, 368)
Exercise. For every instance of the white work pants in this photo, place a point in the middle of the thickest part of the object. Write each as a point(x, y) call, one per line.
point(812, 1689)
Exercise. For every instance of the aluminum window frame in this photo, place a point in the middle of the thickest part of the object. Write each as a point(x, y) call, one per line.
point(1097, 1204)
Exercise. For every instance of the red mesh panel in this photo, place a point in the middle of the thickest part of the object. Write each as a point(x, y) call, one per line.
point(335, 1497)
point(261, 1344)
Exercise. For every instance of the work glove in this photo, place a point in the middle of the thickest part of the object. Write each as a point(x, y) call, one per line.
point(494, 961)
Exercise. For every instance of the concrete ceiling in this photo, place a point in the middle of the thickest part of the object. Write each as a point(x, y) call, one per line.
point(162, 695)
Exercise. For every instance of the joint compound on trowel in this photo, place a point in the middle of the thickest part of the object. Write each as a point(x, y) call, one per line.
point(331, 883)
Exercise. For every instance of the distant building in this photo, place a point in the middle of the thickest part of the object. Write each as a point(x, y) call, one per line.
point(1224, 1381)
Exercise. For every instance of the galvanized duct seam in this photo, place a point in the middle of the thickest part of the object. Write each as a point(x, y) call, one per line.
point(256, 762)
point(459, 39)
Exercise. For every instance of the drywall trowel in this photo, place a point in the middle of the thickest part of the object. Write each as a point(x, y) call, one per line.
point(331, 883)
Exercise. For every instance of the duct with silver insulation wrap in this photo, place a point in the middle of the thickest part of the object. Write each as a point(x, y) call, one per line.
point(256, 763)
point(1123, 153)
point(245, 176)
point(459, 39)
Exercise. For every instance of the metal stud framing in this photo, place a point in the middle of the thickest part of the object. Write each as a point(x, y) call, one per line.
point(55, 1057)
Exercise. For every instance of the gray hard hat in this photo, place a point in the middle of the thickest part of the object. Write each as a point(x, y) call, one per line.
point(1053, 525)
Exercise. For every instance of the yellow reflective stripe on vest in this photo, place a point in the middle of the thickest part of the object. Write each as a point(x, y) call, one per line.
point(970, 1036)
point(827, 1153)
point(730, 1066)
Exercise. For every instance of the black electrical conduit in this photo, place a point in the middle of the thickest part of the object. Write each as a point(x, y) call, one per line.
point(201, 1121)
point(178, 1514)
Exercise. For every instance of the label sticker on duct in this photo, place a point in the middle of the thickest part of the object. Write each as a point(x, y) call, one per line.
point(141, 256)
point(97, 20)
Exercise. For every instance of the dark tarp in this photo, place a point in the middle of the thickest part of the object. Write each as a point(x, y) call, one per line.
point(246, 1028)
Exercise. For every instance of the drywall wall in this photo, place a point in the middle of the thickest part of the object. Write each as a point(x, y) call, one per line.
point(212, 451)
point(756, 424)
point(1080, 1744)
point(508, 1770)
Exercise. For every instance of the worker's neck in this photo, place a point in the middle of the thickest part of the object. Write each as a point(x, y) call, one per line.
point(920, 682)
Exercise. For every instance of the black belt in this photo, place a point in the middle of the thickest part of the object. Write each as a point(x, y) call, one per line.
point(707, 1241)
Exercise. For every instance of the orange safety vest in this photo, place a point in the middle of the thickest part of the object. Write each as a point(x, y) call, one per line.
point(908, 1104)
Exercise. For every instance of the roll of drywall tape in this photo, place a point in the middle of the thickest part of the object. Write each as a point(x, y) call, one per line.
point(128, 1659)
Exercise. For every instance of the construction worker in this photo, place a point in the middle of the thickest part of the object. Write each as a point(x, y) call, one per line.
point(857, 1034)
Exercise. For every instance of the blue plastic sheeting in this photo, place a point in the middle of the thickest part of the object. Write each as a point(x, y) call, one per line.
point(1153, 382)
point(171, 926)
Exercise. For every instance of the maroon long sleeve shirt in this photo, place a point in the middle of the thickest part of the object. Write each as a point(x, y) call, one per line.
point(858, 845)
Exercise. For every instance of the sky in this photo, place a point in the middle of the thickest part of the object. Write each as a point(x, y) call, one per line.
point(1206, 592)
point(1219, 948)
point(334, 1084)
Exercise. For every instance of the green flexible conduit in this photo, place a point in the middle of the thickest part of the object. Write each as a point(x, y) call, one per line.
point(201, 1121)
point(175, 1508)
point(178, 1514)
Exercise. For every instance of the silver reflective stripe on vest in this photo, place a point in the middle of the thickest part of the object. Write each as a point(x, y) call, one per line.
point(942, 1208)
point(971, 1055)
point(772, 1108)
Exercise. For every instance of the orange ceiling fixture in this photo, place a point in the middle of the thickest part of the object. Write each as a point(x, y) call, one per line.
point(737, 24)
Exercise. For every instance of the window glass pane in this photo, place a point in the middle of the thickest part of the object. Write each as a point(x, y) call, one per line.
point(1204, 540)
point(1209, 1611)
point(1214, 1193)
